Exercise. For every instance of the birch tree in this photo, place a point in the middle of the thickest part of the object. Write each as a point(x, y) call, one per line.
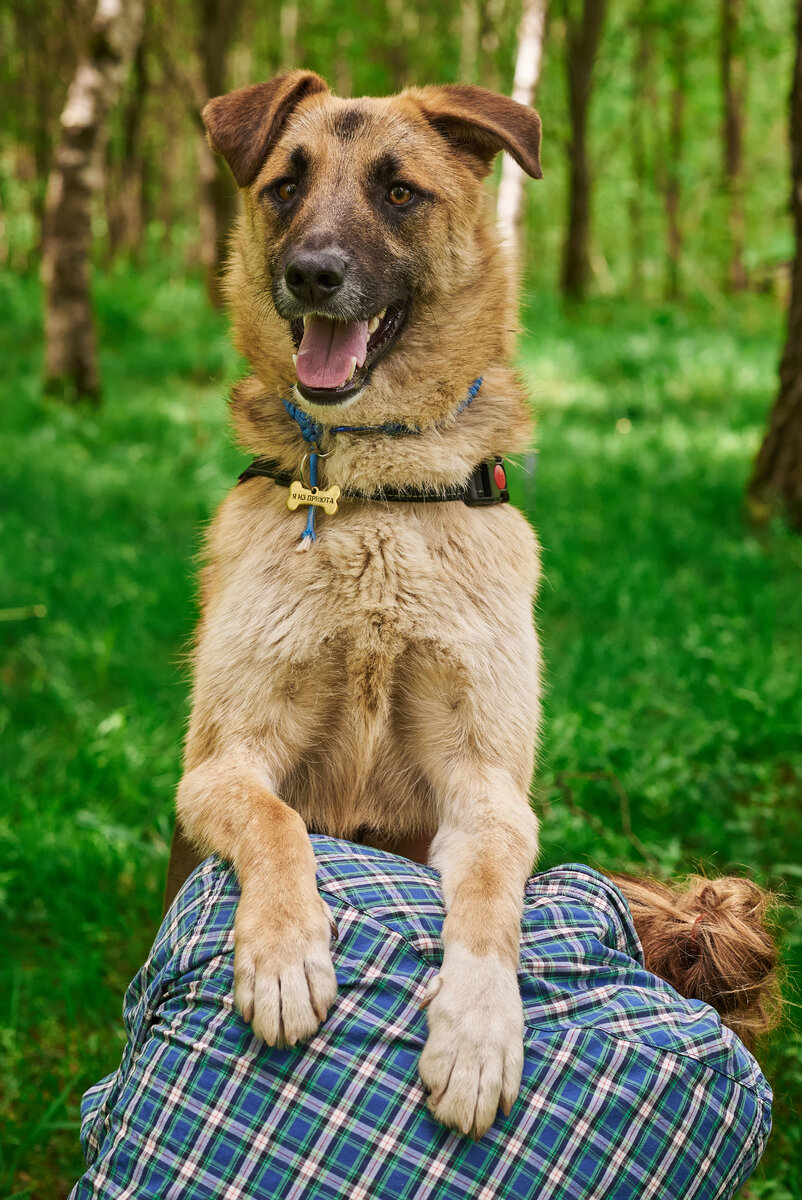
point(510, 201)
point(76, 178)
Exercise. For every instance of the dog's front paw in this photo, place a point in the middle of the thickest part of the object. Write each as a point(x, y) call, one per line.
point(473, 1057)
point(284, 981)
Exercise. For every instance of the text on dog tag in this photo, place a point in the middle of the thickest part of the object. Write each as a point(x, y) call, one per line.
point(301, 494)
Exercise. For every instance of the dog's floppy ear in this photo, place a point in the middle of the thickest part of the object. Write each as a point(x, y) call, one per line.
point(243, 125)
point(483, 123)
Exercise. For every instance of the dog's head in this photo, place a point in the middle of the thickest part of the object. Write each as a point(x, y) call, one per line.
point(364, 219)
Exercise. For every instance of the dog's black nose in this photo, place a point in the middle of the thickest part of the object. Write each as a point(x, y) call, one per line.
point(314, 276)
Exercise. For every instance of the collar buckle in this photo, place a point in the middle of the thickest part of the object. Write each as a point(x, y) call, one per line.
point(487, 485)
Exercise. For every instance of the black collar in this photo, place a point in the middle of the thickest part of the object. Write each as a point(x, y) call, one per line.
point(486, 485)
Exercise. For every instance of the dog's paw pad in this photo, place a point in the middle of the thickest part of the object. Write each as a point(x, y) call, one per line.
point(284, 980)
point(473, 1058)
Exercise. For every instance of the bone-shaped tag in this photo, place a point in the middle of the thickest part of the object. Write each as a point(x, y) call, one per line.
point(301, 494)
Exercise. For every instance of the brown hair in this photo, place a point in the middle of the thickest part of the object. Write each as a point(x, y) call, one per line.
point(711, 940)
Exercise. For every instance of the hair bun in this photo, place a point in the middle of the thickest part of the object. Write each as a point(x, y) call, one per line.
point(710, 939)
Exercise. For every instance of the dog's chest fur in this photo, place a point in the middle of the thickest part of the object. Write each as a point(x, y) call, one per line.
point(337, 644)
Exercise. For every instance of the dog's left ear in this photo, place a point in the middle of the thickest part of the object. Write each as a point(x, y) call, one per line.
point(482, 123)
point(243, 125)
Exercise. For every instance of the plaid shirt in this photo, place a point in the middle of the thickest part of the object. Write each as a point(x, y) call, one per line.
point(628, 1089)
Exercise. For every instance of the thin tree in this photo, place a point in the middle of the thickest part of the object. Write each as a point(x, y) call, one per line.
point(35, 36)
point(218, 196)
point(76, 178)
point(468, 40)
point(672, 164)
point(126, 204)
point(288, 34)
point(641, 60)
point(510, 201)
point(733, 92)
point(776, 481)
point(583, 26)
point(395, 44)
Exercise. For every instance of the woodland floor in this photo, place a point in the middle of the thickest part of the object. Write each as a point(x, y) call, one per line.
point(672, 635)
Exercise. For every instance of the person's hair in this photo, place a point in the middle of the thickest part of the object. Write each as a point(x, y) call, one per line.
point(711, 940)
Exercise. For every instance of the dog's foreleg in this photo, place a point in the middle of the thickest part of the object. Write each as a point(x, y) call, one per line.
point(284, 981)
point(484, 850)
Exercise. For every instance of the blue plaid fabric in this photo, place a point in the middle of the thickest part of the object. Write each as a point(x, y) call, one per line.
point(629, 1090)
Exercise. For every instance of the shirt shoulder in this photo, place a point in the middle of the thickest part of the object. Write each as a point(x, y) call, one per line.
point(581, 964)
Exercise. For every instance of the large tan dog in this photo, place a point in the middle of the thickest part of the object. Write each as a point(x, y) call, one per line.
point(386, 680)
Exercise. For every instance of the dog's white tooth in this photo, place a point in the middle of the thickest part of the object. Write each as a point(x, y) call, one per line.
point(295, 361)
point(353, 368)
point(373, 324)
point(307, 319)
point(382, 314)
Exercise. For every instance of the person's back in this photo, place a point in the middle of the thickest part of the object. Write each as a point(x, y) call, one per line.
point(629, 1090)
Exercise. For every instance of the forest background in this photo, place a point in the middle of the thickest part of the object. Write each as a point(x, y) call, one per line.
point(657, 266)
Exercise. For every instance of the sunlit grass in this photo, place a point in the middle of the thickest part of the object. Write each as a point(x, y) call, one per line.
point(672, 635)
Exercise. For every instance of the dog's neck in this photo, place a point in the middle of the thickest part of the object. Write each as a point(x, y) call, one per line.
point(423, 383)
point(442, 455)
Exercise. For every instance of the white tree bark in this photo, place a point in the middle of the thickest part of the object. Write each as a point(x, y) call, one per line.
point(76, 177)
point(510, 200)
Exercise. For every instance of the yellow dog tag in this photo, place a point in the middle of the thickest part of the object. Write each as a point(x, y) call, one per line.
point(301, 494)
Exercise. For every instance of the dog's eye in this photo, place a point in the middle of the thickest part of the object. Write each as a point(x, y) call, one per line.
point(286, 189)
point(399, 194)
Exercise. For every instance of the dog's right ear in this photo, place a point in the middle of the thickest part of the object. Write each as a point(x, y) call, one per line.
point(243, 125)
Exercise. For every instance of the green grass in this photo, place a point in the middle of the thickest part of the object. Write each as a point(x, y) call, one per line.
point(672, 634)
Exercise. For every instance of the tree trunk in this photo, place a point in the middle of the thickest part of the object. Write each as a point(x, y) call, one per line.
point(41, 139)
point(672, 167)
point(469, 41)
point(510, 202)
point(583, 33)
point(343, 67)
point(71, 367)
point(733, 90)
point(777, 477)
point(126, 206)
point(487, 45)
point(395, 44)
point(640, 70)
point(45, 34)
point(218, 195)
point(288, 33)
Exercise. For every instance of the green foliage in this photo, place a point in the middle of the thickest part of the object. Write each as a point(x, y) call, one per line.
point(100, 521)
point(378, 48)
point(671, 636)
point(618, 101)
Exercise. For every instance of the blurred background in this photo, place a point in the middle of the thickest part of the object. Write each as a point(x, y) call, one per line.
point(661, 286)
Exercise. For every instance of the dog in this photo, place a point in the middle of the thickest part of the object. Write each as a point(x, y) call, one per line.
point(386, 680)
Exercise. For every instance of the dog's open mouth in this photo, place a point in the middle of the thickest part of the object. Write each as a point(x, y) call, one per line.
point(335, 358)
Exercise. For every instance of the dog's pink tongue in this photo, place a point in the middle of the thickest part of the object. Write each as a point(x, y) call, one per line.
point(327, 351)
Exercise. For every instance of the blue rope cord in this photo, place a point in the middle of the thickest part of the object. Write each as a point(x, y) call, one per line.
point(309, 534)
point(473, 392)
point(312, 431)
